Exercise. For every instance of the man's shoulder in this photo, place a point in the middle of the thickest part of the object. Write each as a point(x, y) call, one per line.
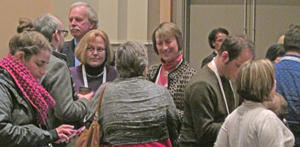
point(203, 82)
point(287, 65)
point(54, 59)
point(68, 44)
point(203, 75)
point(60, 56)
point(55, 68)
point(56, 64)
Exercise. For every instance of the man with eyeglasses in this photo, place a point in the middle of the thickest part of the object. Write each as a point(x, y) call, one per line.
point(82, 19)
point(57, 81)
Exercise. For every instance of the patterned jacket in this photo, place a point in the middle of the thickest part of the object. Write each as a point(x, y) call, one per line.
point(177, 81)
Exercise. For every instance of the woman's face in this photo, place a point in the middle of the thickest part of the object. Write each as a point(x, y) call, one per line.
point(167, 48)
point(37, 64)
point(95, 52)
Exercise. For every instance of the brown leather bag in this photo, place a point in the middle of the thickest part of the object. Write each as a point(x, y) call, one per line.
point(92, 136)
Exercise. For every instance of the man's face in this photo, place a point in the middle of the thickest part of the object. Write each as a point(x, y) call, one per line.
point(61, 37)
point(220, 38)
point(229, 70)
point(79, 23)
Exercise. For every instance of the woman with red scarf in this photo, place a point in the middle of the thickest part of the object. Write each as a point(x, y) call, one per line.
point(24, 102)
point(174, 72)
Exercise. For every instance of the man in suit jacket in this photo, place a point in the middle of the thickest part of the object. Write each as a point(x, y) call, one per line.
point(82, 19)
point(57, 81)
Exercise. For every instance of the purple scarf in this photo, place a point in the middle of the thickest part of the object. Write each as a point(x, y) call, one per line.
point(39, 98)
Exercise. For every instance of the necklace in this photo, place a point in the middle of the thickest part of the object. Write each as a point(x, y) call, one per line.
point(95, 76)
point(166, 73)
point(84, 74)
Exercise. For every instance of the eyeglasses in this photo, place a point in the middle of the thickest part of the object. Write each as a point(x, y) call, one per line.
point(92, 49)
point(64, 31)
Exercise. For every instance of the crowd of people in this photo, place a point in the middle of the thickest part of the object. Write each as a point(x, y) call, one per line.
point(232, 100)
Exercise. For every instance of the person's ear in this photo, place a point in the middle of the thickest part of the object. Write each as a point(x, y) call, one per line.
point(20, 55)
point(92, 25)
point(214, 44)
point(145, 71)
point(56, 35)
point(225, 57)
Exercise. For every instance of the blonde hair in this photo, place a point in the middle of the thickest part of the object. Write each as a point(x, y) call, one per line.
point(167, 29)
point(255, 80)
point(80, 50)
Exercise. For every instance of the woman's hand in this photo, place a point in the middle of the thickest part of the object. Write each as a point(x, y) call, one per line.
point(88, 96)
point(63, 132)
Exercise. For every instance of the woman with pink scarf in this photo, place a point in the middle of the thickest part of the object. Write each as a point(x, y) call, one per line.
point(24, 102)
point(173, 72)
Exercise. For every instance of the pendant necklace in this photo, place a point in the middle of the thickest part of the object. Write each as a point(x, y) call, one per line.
point(166, 73)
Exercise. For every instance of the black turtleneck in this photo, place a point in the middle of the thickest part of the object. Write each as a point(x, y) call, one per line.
point(94, 71)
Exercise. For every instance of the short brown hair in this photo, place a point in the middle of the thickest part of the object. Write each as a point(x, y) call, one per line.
point(235, 45)
point(255, 80)
point(80, 50)
point(167, 29)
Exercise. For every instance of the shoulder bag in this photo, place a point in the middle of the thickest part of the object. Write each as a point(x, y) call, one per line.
point(92, 136)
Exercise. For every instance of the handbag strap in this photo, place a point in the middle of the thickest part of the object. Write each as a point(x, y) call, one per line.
point(99, 101)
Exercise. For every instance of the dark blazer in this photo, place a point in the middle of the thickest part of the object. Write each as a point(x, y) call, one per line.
point(68, 49)
point(208, 59)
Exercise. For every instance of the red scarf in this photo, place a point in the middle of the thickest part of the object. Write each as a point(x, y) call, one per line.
point(166, 68)
point(39, 98)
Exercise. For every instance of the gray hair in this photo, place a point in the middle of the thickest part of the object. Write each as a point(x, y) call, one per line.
point(131, 59)
point(92, 14)
point(46, 24)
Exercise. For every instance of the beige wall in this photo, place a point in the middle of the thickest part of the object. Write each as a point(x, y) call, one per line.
point(12, 11)
point(122, 20)
point(272, 20)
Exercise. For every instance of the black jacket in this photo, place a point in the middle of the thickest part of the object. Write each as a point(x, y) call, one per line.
point(69, 49)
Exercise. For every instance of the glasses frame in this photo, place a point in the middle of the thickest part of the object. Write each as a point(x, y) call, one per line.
point(65, 32)
point(92, 49)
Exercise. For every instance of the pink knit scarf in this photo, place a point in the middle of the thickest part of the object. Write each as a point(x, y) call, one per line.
point(39, 98)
